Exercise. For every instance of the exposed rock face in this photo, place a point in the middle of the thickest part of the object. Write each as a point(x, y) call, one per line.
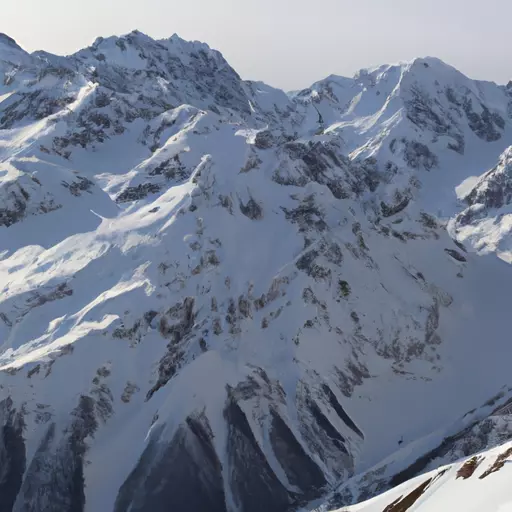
point(17, 203)
point(12, 454)
point(5, 39)
point(185, 473)
point(300, 469)
point(494, 189)
point(139, 192)
point(415, 154)
point(55, 476)
point(245, 454)
point(264, 140)
point(187, 470)
point(488, 198)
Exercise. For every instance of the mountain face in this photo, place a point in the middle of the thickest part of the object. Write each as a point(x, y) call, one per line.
point(220, 297)
point(480, 429)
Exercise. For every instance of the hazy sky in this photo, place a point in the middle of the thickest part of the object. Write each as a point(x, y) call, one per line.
point(287, 43)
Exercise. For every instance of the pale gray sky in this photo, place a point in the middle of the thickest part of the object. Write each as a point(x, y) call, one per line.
point(286, 43)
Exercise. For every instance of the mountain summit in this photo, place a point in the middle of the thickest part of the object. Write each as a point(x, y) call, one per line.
point(220, 297)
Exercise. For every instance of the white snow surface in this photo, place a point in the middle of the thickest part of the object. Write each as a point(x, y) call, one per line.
point(444, 489)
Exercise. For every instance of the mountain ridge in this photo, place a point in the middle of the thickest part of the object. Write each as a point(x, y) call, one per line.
point(254, 286)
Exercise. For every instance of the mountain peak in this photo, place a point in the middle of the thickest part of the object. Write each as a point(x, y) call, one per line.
point(136, 49)
point(135, 36)
point(9, 41)
point(11, 52)
point(432, 65)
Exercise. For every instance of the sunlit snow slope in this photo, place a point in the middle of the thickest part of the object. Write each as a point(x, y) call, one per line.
point(481, 482)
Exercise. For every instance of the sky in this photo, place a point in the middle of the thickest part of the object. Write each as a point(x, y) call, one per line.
point(287, 43)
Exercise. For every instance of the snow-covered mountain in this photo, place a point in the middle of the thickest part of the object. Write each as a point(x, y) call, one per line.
point(481, 482)
point(220, 297)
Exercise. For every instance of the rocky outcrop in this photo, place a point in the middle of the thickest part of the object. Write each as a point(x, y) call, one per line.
point(12, 453)
point(136, 193)
point(491, 193)
point(184, 473)
point(494, 188)
point(17, 202)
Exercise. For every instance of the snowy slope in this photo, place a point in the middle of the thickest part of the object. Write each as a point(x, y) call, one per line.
point(212, 290)
point(484, 224)
point(481, 428)
point(481, 482)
